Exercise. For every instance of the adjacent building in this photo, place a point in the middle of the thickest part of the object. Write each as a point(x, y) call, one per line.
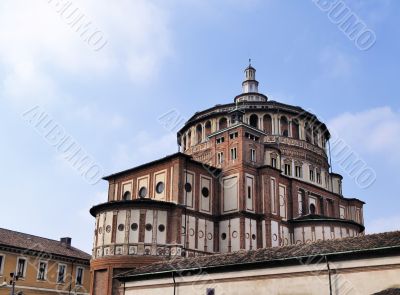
point(43, 266)
point(251, 174)
point(350, 266)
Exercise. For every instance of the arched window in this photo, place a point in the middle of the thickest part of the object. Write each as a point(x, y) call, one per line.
point(312, 209)
point(253, 121)
point(284, 126)
point(223, 123)
point(267, 122)
point(295, 129)
point(308, 132)
point(199, 133)
point(207, 128)
point(189, 139)
point(315, 137)
point(184, 142)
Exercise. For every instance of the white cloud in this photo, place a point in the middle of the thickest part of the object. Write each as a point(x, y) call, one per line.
point(37, 44)
point(375, 131)
point(384, 224)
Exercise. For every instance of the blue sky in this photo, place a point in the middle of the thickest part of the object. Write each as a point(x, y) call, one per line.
point(188, 56)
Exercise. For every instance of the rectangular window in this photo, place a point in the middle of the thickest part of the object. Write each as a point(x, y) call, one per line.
point(311, 174)
point(233, 135)
point(318, 177)
point(233, 153)
point(2, 257)
point(61, 273)
point(288, 169)
point(298, 171)
point(220, 157)
point(273, 162)
point(210, 291)
point(79, 276)
point(220, 140)
point(252, 155)
point(21, 267)
point(42, 271)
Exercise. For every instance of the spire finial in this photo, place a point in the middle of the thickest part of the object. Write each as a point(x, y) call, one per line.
point(249, 61)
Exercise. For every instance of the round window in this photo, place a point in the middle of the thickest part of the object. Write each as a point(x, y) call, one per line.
point(161, 227)
point(134, 226)
point(253, 236)
point(143, 192)
point(127, 195)
point(108, 228)
point(121, 227)
point(100, 230)
point(149, 227)
point(188, 187)
point(205, 192)
point(223, 236)
point(160, 187)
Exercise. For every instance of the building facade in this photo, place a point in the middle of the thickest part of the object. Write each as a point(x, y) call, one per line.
point(251, 174)
point(43, 266)
point(351, 266)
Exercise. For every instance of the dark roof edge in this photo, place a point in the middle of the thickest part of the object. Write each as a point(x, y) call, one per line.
point(124, 204)
point(67, 257)
point(320, 218)
point(157, 161)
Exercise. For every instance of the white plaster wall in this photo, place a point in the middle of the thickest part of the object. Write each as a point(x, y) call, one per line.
point(210, 235)
point(134, 235)
point(192, 232)
point(101, 225)
point(148, 234)
point(298, 235)
point(205, 202)
point(223, 228)
point(263, 232)
point(285, 237)
point(160, 177)
point(121, 219)
point(162, 220)
point(274, 233)
point(108, 222)
point(235, 234)
point(230, 193)
point(282, 202)
point(189, 195)
point(318, 233)
point(201, 234)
